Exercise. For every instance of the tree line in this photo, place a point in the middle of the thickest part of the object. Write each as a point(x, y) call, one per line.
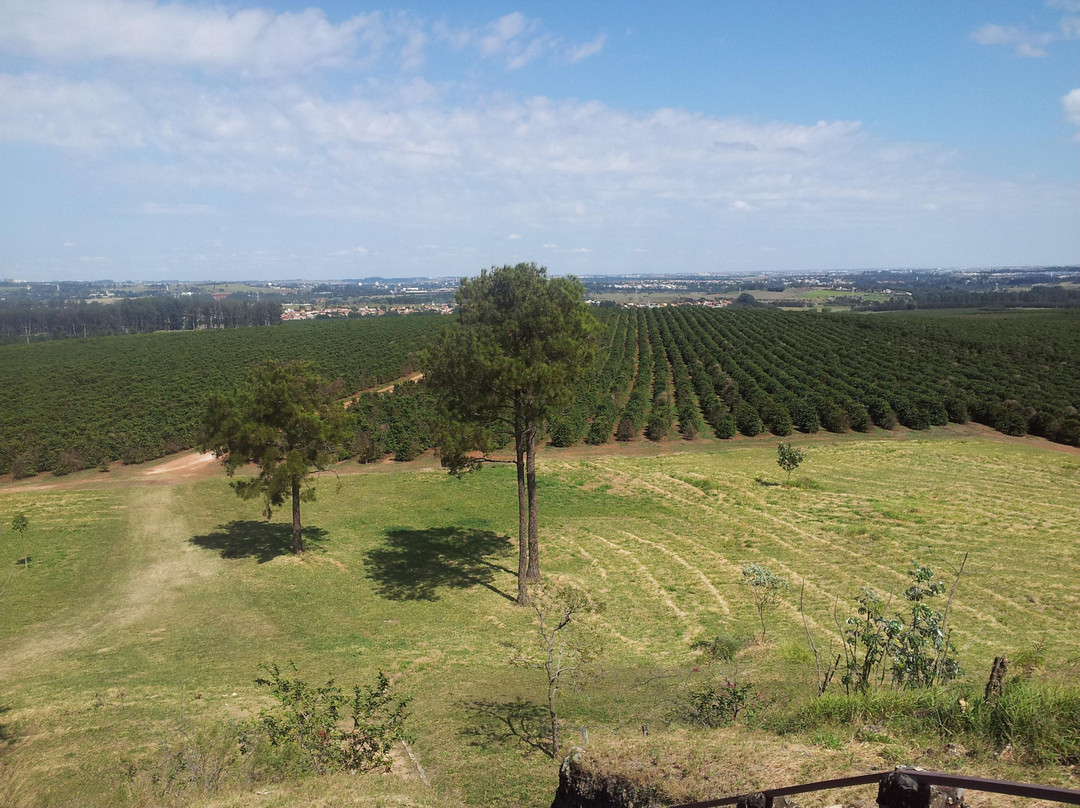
point(1041, 296)
point(68, 405)
point(25, 320)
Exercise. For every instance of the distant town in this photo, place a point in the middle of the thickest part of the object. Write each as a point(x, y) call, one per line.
point(47, 310)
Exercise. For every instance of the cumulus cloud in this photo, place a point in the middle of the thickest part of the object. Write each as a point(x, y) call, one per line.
point(200, 36)
point(1071, 103)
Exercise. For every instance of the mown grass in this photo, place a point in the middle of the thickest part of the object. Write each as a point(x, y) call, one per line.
point(145, 609)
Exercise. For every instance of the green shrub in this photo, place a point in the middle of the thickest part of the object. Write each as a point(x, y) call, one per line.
point(747, 420)
point(311, 721)
point(718, 706)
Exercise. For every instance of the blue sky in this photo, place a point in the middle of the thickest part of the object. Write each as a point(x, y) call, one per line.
point(192, 140)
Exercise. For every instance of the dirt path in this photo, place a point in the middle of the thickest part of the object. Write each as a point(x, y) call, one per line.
point(415, 377)
point(182, 467)
point(193, 465)
point(163, 563)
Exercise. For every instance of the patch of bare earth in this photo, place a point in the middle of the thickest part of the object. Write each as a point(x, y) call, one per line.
point(167, 562)
point(182, 467)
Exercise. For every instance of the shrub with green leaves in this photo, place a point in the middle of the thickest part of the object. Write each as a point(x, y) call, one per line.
point(915, 650)
point(329, 730)
point(765, 588)
point(789, 458)
point(719, 705)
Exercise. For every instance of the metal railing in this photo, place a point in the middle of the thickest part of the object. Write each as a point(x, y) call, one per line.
point(1067, 796)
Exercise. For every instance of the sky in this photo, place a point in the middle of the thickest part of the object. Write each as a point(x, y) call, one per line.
point(145, 140)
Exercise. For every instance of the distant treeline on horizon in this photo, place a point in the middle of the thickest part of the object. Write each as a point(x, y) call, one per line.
point(1041, 297)
point(26, 320)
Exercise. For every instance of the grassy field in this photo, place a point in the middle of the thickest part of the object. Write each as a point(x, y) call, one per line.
point(148, 604)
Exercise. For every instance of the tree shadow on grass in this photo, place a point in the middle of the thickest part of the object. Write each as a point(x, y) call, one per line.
point(263, 541)
point(496, 722)
point(416, 564)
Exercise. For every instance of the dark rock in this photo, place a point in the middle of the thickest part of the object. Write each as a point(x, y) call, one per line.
point(899, 790)
point(751, 801)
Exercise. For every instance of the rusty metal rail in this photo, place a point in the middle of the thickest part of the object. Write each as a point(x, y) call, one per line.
point(1067, 796)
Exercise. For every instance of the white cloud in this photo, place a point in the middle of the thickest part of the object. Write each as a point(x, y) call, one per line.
point(1071, 103)
point(575, 53)
point(1033, 43)
point(412, 53)
point(407, 154)
point(402, 161)
point(1027, 43)
point(47, 110)
point(502, 32)
point(518, 40)
point(203, 36)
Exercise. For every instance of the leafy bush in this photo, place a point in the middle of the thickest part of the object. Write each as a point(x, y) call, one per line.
point(1010, 419)
point(725, 427)
point(805, 417)
point(858, 416)
point(747, 420)
point(832, 417)
point(713, 706)
point(311, 722)
point(957, 409)
point(881, 414)
point(916, 651)
point(778, 420)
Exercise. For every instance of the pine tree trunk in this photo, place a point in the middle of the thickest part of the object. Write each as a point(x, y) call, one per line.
point(297, 535)
point(523, 511)
point(533, 573)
